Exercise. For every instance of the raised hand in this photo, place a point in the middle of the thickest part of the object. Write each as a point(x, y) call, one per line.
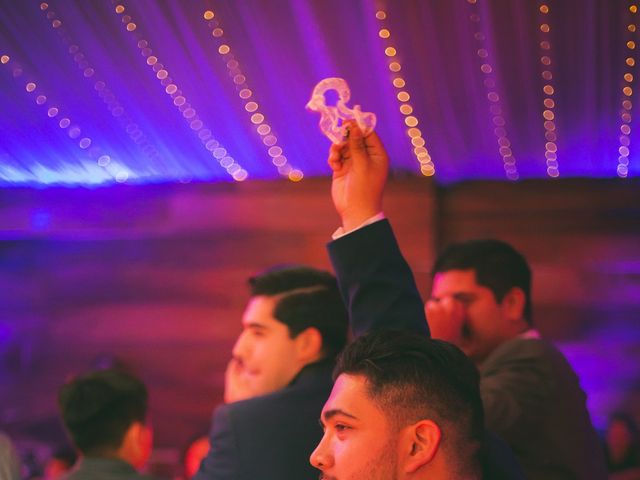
point(360, 169)
point(446, 318)
point(237, 383)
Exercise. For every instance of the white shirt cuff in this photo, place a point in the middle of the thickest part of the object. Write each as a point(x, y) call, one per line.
point(341, 233)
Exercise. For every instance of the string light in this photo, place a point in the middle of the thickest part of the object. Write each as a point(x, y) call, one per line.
point(495, 107)
point(427, 168)
point(73, 130)
point(548, 114)
point(112, 103)
point(171, 88)
point(257, 117)
point(627, 93)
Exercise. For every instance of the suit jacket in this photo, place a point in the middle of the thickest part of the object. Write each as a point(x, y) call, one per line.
point(272, 436)
point(104, 469)
point(533, 399)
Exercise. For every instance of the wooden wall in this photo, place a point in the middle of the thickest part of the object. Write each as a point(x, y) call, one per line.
point(155, 275)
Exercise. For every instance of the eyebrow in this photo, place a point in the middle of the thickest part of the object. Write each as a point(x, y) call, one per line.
point(329, 414)
point(457, 295)
point(255, 325)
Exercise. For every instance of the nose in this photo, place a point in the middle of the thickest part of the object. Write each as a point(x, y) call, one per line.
point(320, 458)
point(240, 347)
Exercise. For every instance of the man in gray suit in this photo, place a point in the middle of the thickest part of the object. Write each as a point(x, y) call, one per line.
point(480, 301)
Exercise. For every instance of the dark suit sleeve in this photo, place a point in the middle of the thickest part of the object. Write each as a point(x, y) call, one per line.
point(221, 462)
point(375, 281)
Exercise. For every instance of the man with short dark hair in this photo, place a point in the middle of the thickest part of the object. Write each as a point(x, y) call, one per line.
point(278, 378)
point(403, 406)
point(105, 414)
point(481, 301)
point(379, 289)
point(301, 303)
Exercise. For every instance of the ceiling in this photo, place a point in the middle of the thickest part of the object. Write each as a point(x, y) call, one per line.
point(93, 93)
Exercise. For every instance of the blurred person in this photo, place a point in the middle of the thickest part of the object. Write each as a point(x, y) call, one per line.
point(622, 444)
point(403, 407)
point(105, 415)
point(481, 301)
point(9, 459)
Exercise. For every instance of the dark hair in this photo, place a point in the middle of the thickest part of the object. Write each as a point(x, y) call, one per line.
point(497, 265)
point(307, 298)
point(412, 377)
point(98, 408)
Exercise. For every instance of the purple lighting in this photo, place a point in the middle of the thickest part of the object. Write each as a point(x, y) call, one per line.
point(160, 87)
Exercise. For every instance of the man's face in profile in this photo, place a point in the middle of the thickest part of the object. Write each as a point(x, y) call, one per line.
point(484, 323)
point(265, 353)
point(359, 442)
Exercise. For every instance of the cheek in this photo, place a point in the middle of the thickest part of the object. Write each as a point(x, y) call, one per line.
point(482, 318)
point(352, 455)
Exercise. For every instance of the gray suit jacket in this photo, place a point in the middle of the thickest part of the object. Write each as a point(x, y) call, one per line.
point(104, 469)
point(532, 398)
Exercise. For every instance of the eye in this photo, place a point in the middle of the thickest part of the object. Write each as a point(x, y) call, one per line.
point(257, 332)
point(340, 427)
point(464, 299)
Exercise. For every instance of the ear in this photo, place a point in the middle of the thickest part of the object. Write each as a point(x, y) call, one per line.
point(136, 445)
point(309, 345)
point(420, 444)
point(513, 304)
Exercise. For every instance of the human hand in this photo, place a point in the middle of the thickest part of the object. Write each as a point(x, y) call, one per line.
point(238, 383)
point(360, 170)
point(445, 317)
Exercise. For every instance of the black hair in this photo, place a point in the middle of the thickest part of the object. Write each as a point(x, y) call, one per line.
point(412, 377)
point(98, 408)
point(307, 297)
point(497, 265)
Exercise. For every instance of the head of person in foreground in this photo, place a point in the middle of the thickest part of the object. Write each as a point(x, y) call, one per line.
point(403, 406)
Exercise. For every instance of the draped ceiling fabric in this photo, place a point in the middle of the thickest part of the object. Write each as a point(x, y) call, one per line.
point(94, 92)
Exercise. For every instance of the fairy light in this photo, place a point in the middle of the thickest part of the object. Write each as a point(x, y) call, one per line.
point(627, 93)
point(549, 103)
point(257, 117)
point(73, 130)
point(495, 103)
point(113, 105)
point(403, 96)
point(171, 88)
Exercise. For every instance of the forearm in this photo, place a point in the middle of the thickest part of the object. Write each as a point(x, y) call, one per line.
point(376, 282)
